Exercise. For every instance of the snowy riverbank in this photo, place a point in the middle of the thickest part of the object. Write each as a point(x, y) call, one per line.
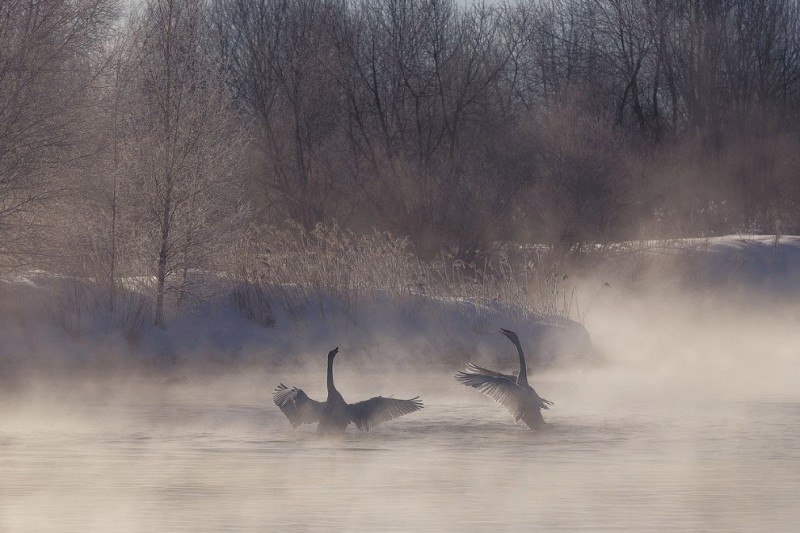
point(49, 324)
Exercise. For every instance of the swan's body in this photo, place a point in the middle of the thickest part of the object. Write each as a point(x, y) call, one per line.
point(334, 414)
point(512, 392)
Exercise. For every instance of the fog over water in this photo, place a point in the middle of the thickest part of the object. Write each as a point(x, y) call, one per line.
point(200, 198)
point(690, 422)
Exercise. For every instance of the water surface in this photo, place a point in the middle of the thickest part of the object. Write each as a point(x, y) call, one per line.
point(183, 460)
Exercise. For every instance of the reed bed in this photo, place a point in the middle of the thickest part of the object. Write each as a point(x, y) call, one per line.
point(335, 271)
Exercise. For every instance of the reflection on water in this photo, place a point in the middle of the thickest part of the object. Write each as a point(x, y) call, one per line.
point(182, 463)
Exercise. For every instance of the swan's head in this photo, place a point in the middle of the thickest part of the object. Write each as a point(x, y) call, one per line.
point(333, 353)
point(510, 334)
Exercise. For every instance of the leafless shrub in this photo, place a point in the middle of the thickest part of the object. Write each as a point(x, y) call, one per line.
point(335, 271)
point(80, 308)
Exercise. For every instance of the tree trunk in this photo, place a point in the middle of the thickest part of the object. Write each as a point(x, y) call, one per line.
point(163, 254)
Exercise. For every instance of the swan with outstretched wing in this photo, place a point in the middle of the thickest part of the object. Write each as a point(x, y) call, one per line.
point(334, 414)
point(512, 392)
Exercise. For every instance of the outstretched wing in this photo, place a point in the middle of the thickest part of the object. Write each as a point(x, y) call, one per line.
point(369, 413)
point(296, 405)
point(502, 388)
point(496, 386)
point(475, 369)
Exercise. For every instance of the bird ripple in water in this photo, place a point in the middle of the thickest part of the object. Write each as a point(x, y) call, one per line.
point(512, 392)
point(334, 414)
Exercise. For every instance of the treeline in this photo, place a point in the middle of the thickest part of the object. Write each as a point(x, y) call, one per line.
point(562, 121)
point(150, 143)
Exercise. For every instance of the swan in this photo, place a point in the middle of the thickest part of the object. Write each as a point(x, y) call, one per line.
point(334, 414)
point(512, 392)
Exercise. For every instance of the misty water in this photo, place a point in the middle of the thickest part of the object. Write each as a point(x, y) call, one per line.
point(688, 429)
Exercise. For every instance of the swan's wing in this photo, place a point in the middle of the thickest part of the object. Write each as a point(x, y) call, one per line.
point(470, 377)
point(475, 369)
point(537, 400)
point(296, 405)
point(369, 413)
point(499, 387)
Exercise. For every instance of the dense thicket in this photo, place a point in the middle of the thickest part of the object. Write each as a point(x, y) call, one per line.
point(563, 121)
point(160, 140)
point(50, 57)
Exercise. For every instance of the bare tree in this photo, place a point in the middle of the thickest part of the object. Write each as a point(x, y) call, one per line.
point(420, 97)
point(48, 53)
point(182, 147)
point(281, 63)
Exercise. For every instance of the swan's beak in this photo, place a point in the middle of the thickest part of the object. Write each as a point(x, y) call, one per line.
point(333, 352)
point(510, 334)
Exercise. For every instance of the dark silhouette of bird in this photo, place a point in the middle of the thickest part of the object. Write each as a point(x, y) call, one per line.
point(512, 392)
point(334, 414)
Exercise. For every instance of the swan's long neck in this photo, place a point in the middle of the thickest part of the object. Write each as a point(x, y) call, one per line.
point(331, 387)
point(522, 379)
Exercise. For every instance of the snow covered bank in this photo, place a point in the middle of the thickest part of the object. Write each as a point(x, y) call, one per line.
point(54, 324)
point(766, 264)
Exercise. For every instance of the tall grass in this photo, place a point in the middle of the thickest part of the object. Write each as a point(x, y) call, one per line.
point(334, 271)
point(82, 309)
point(331, 272)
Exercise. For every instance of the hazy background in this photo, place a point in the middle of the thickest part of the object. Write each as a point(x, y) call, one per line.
point(199, 199)
point(157, 139)
point(413, 147)
point(686, 420)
